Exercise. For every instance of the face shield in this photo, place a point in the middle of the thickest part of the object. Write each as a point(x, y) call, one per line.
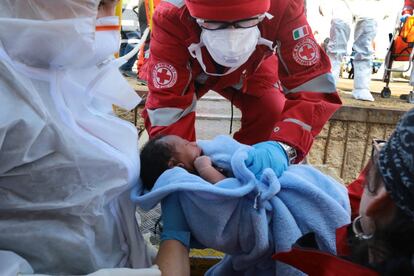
point(43, 33)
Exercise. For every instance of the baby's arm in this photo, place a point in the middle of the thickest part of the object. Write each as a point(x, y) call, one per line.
point(206, 170)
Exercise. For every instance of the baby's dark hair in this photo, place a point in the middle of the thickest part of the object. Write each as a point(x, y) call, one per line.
point(155, 156)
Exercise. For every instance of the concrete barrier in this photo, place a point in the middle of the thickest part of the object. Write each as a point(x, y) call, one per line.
point(344, 144)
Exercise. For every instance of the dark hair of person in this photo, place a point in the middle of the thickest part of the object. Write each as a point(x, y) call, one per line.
point(155, 156)
point(392, 246)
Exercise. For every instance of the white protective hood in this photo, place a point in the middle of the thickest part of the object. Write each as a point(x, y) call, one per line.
point(42, 32)
point(66, 163)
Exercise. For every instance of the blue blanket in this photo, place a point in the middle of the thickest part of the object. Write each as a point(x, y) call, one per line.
point(249, 220)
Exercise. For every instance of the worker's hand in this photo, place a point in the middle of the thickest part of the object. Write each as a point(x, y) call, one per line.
point(175, 226)
point(404, 17)
point(264, 155)
point(202, 162)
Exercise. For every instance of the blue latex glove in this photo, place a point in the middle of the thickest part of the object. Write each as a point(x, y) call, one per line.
point(175, 226)
point(404, 17)
point(267, 155)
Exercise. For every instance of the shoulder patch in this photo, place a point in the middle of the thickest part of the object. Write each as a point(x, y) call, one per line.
point(306, 52)
point(164, 75)
point(300, 32)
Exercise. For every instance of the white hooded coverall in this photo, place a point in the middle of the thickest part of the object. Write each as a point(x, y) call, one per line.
point(66, 163)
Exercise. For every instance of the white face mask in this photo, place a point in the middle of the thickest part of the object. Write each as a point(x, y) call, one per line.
point(228, 47)
point(231, 47)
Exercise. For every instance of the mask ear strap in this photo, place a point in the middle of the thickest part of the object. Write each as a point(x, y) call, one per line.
point(268, 16)
point(266, 42)
point(195, 52)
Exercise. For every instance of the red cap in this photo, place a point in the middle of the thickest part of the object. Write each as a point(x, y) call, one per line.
point(226, 10)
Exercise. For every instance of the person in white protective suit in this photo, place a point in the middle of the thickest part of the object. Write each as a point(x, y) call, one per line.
point(66, 163)
point(364, 14)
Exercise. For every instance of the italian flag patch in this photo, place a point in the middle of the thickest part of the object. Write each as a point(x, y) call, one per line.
point(300, 32)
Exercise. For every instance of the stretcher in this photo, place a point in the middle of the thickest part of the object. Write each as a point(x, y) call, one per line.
point(400, 49)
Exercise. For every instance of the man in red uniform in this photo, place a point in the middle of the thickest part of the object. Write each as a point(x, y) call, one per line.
point(259, 54)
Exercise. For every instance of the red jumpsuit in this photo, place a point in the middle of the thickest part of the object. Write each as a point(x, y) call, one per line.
point(285, 95)
point(317, 263)
point(408, 7)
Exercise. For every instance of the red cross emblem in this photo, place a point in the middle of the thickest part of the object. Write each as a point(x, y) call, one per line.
point(164, 75)
point(306, 52)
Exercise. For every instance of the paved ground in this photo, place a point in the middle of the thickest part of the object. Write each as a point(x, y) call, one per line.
point(398, 87)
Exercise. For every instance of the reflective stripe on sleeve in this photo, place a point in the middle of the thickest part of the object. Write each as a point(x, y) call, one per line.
point(169, 115)
point(323, 84)
point(298, 122)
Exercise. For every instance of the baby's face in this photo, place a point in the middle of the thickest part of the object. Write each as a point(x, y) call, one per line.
point(185, 152)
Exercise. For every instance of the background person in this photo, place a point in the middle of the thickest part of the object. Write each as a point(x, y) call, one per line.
point(129, 31)
point(344, 14)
